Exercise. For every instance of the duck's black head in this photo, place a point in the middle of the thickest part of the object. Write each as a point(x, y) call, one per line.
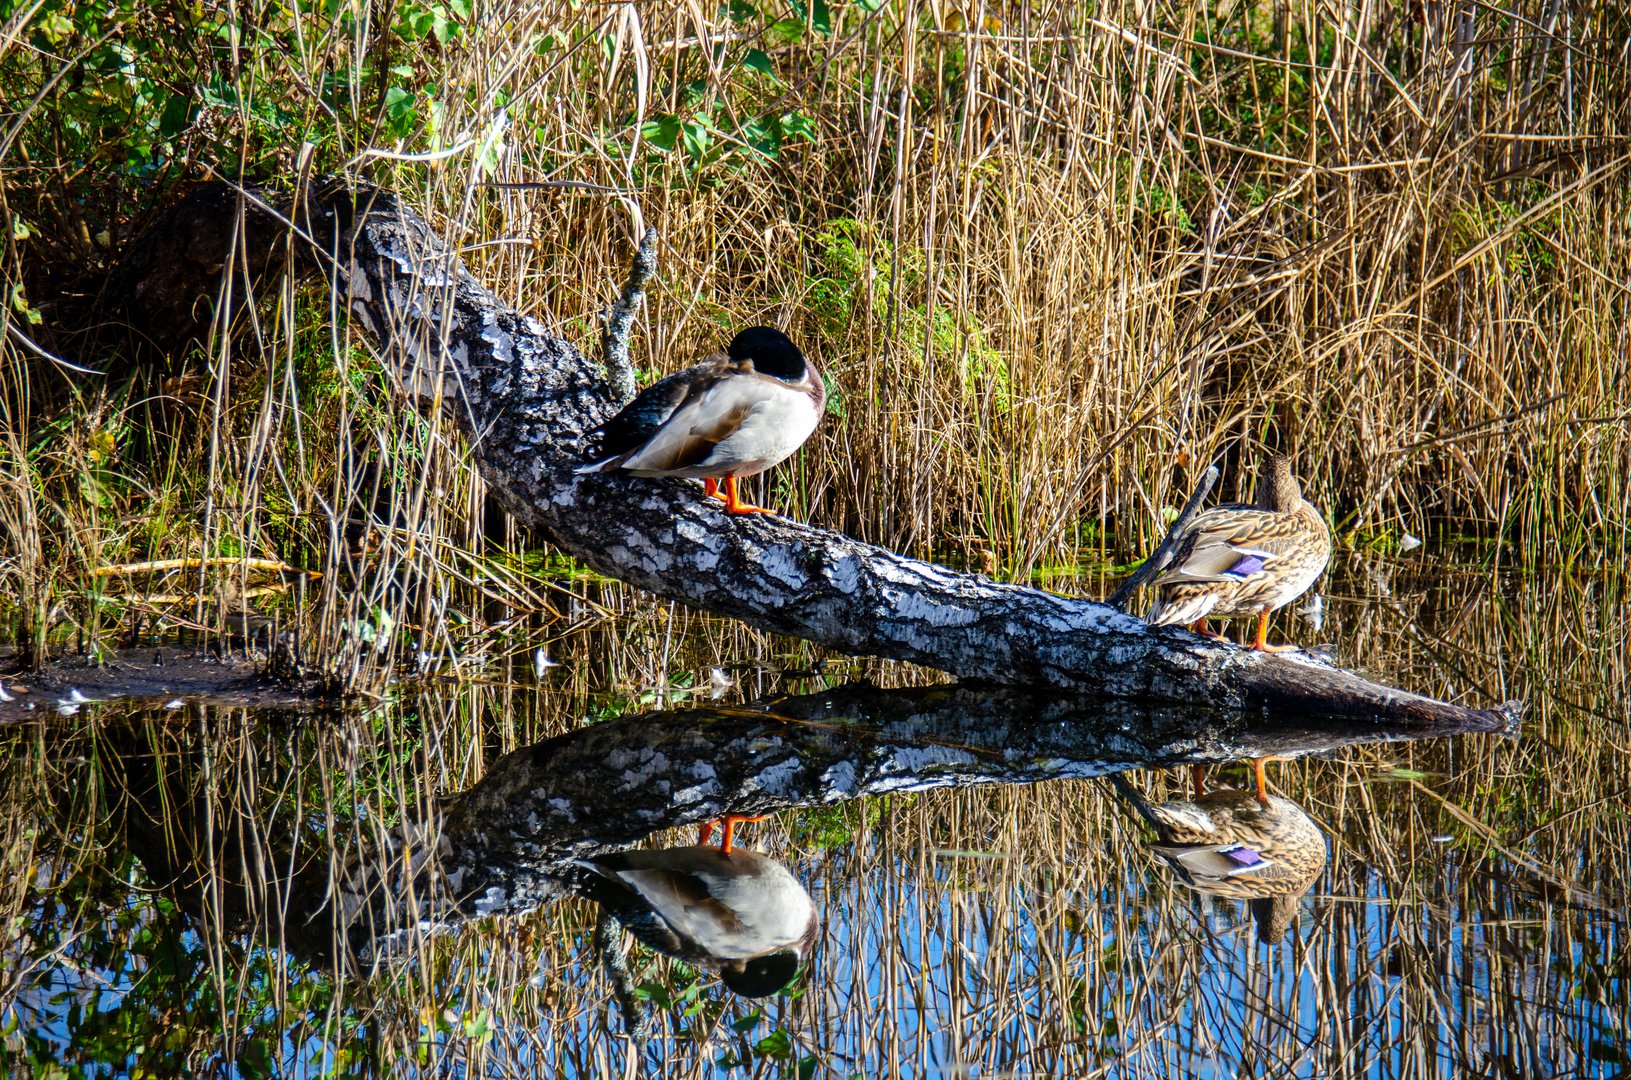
point(770, 351)
point(763, 975)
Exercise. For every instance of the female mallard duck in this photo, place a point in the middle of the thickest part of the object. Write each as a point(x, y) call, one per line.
point(1260, 848)
point(739, 913)
point(735, 414)
point(1241, 559)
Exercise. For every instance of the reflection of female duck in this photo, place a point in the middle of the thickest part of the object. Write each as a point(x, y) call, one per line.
point(737, 912)
point(1234, 845)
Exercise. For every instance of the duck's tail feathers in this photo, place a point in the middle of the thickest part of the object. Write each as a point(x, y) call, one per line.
point(1179, 610)
point(599, 466)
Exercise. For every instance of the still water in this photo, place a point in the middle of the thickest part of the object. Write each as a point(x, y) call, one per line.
point(405, 888)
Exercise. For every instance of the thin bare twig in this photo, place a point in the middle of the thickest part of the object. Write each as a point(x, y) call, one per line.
point(269, 565)
point(1163, 552)
point(608, 942)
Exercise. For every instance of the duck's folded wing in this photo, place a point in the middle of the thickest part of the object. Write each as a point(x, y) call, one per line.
point(645, 416)
point(1184, 823)
point(1215, 557)
point(628, 905)
point(697, 425)
point(1215, 862)
point(686, 901)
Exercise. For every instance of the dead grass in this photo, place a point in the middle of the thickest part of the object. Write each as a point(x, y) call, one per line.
point(1043, 255)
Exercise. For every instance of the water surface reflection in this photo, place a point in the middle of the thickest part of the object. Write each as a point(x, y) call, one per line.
point(283, 837)
point(224, 892)
point(1263, 849)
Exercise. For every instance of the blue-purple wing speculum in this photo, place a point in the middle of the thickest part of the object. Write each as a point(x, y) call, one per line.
point(1244, 856)
point(1246, 566)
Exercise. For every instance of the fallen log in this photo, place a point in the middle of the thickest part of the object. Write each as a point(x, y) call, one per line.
point(526, 398)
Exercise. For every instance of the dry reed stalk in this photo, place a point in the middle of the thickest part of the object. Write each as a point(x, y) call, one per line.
point(1040, 252)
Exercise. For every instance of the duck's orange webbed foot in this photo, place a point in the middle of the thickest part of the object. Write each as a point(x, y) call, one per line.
point(710, 488)
point(1262, 780)
point(1261, 642)
point(734, 503)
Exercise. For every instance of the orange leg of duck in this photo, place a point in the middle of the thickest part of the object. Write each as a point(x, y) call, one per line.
point(734, 503)
point(710, 487)
point(1199, 627)
point(1262, 780)
point(1261, 642)
point(1197, 779)
point(705, 831)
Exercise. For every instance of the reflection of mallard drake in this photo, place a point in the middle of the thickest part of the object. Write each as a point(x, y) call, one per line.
point(1238, 559)
point(1234, 845)
point(735, 414)
point(737, 912)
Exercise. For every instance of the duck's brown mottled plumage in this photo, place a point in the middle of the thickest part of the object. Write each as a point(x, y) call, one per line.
point(1280, 832)
point(1197, 832)
point(1245, 559)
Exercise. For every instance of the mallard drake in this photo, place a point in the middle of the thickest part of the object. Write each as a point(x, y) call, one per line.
point(735, 414)
point(1245, 559)
point(739, 913)
point(1234, 844)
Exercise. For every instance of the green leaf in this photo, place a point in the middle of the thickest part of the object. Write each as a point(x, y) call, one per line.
point(757, 60)
point(697, 138)
point(400, 110)
point(795, 125)
point(787, 31)
point(662, 132)
point(177, 115)
point(818, 15)
point(480, 1026)
point(778, 1044)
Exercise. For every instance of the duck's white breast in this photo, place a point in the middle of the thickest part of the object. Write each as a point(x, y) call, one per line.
point(777, 424)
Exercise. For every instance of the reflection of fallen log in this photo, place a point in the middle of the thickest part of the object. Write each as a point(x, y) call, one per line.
point(504, 845)
point(616, 782)
point(525, 398)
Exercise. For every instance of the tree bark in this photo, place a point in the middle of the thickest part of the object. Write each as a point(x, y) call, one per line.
point(525, 399)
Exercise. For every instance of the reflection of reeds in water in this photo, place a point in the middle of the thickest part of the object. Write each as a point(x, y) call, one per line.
point(1470, 920)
